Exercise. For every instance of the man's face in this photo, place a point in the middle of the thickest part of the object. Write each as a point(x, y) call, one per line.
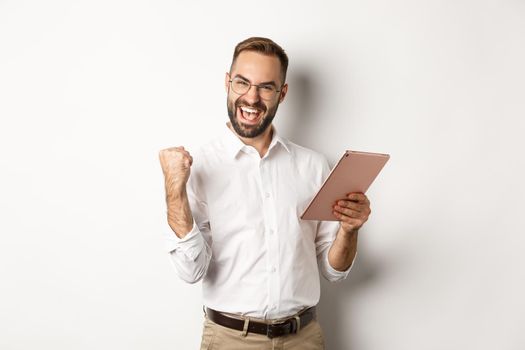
point(250, 115)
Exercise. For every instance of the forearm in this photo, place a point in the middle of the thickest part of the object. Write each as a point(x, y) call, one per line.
point(180, 217)
point(189, 251)
point(343, 250)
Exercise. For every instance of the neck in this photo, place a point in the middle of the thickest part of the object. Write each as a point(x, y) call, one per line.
point(261, 143)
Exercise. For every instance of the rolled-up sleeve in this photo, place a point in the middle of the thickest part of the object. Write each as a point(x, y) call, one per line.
point(190, 255)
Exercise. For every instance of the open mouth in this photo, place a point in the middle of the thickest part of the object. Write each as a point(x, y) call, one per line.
point(249, 115)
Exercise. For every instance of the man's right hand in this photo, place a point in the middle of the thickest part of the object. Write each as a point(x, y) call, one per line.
point(176, 163)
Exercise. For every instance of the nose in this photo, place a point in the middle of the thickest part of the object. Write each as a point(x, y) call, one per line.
point(252, 95)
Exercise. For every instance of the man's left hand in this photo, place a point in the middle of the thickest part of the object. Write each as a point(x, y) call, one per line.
point(352, 211)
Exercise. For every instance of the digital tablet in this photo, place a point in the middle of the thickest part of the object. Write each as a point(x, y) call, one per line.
point(354, 172)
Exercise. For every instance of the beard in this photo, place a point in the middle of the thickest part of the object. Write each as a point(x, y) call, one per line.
point(250, 131)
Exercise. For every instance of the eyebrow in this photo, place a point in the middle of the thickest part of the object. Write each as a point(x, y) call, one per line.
point(263, 83)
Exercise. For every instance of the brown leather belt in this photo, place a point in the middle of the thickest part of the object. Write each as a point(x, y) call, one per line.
point(288, 326)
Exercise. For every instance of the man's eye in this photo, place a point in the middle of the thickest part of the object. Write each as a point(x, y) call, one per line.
point(241, 83)
point(267, 88)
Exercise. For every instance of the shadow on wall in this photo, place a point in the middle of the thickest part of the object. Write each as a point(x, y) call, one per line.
point(336, 304)
point(303, 112)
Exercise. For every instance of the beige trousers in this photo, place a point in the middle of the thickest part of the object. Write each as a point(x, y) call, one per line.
point(216, 337)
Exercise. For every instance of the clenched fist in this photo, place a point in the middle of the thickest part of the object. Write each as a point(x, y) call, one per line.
point(176, 163)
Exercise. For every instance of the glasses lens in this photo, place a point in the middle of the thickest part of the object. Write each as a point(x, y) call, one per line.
point(240, 86)
point(267, 92)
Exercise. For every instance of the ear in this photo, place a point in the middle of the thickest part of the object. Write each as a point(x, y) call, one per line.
point(227, 82)
point(282, 94)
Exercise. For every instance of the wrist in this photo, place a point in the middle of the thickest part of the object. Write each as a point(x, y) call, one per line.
point(348, 233)
point(175, 192)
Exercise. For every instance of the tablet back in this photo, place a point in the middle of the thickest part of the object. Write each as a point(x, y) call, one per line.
point(354, 172)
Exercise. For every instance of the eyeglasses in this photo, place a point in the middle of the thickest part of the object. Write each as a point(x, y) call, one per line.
point(241, 86)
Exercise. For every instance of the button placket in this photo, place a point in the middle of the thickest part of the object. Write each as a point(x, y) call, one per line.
point(271, 239)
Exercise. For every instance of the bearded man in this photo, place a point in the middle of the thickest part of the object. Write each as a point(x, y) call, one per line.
point(235, 218)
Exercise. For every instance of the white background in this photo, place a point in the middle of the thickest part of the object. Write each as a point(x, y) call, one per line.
point(91, 90)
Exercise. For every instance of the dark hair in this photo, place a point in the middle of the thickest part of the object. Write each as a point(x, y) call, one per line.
point(264, 46)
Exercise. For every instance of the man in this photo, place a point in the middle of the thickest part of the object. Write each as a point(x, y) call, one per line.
point(236, 222)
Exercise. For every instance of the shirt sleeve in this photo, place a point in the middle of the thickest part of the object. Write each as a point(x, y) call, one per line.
point(191, 255)
point(326, 233)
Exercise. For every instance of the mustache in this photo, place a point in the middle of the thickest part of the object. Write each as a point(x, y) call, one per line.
point(258, 105)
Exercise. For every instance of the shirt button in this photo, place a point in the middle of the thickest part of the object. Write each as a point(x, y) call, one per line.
point(267, 195)
point(272, 232)
point(273, 269)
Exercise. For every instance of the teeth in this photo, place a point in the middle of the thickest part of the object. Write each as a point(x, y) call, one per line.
point(249, 110)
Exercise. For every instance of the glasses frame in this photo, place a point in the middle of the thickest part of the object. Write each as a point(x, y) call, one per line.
point(258, 86)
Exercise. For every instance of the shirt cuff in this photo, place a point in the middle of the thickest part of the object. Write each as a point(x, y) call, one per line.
point(336, 275)
point(191, 245)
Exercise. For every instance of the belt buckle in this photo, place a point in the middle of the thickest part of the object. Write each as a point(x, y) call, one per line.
point(293, 325)
point(269, 331)
point(290, 324)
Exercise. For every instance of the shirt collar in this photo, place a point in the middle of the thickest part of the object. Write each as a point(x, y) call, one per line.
point(233, 144)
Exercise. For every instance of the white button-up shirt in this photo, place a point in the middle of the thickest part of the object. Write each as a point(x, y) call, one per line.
point(256, 257)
